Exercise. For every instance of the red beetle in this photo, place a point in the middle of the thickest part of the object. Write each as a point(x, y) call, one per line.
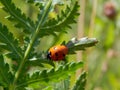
point(57, 53)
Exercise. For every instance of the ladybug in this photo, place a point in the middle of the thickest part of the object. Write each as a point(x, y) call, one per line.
point(57, 53)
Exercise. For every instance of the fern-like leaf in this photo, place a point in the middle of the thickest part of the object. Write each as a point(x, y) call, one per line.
point(63, 85)
point(35, 37)
point(17, 16)
point(9, 43)
point(5, 75)
point(52, 75)
point(39, 59)
point(81, 82)
point(62, 22)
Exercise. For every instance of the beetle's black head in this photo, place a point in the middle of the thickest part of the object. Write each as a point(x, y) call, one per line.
point(49, 55)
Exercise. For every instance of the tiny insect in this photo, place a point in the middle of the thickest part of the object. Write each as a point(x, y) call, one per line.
point(57, 53)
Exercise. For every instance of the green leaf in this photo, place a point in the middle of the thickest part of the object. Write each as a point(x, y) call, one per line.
point(9, 43)
point(39, 62)
point(34, 39)
point(52, 75)
point(48, 88)
point(17, 16)
point(80, 44)
point(81, 82)
point(63, 85)
point(5, 75)
point(62, 22)
point(30, 1)
point(43, 15)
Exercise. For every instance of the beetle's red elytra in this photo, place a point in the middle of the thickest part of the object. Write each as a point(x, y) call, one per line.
point(57, 53)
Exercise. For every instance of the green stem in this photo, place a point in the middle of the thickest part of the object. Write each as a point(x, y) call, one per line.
point(33, 39)
point(11, 87)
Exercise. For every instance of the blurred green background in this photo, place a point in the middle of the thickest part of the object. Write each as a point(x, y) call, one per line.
point(102, 62)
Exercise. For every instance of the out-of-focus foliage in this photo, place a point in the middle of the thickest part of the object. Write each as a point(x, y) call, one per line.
point(104, 61)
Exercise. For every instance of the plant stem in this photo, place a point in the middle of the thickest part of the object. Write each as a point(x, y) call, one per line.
point(80, 30)
point(33, 39)
point(92, 20)
point(11, 87)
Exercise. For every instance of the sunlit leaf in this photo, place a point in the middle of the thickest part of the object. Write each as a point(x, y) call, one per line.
point(52, 75)
point(8, 42)
point(81, 82)
point(20, 19)
point(5, 75)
